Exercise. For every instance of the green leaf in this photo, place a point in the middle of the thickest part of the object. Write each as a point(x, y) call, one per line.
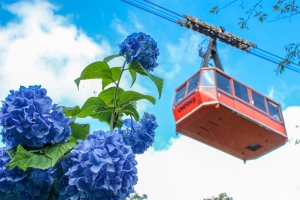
point(11, 152)
point(130, 109)
point(131, 96)
point(57, 151)
point(24, 160)
point(115, 74)
point(102, 114)
point(90, 105)
point(79, 131)
point(136, 66)
point(71, 111)
point(133, 76)
point(108, 95)
point(108, 58)
point(95, 70)
point(159, 82)
point(106, 82)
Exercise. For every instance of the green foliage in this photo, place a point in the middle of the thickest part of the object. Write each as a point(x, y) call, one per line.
point(114, 102)
point(41, 158)
point(57, 151)
point(282, 9)
point(108, 58)
point(136, 196)
point(79, 131)
point(96, 70)
point(137, 67)
point(71, 111)
point(222, 196)
point(25, 159)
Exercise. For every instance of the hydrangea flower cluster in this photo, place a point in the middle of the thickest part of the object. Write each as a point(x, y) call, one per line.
point(101, 167)
point(29, 118)
point(139, 135)
point(34, 184)
point(142, 48)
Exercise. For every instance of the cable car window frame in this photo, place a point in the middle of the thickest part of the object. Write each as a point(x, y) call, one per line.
point(182, 88)
point(189, 88)
point(223, 83)
point(207, 78)
point(242, 97)
point(274, 106)
point(257, 102)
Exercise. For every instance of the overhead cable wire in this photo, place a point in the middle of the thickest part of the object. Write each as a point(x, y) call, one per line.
point(151, 9)
point(175, 17)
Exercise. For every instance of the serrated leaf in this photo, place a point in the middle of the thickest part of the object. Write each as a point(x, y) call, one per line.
point(90, 105)
point(108, 95)
point(130, 110)
point(24, 160)
point(131, 96)
point(11, 152)
point(133, 76)
point(136, 66)
point(57, 151)
point(96, 70)
point(108, 58)
point(71, 111)
point(79, 131)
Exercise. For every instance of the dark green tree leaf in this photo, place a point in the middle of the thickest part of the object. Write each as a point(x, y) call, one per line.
point(91, 105)
point(24, 160)
point(136, 66)
point(57, 151)
point(79, 131)
point(131, 96)
point(95, 70)
point(108, 58)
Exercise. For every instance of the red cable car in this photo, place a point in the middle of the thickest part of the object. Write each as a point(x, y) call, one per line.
point(221, 112)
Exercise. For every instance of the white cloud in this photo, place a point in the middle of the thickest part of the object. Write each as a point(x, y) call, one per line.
point(46, 50)
point(187, 49)
point(125, 28)
point(192, 170)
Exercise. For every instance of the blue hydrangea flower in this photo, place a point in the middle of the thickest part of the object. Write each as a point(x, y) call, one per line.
point(29, 118)
point(139, 135)
point(34, 184)
point(101, 167)
point(142, 48)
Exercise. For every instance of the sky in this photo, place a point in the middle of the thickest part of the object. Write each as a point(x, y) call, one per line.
point(49, 43)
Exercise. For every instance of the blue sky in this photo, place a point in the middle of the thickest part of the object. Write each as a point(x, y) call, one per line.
point(50, 42)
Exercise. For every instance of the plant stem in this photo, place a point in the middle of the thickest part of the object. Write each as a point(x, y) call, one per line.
point(113, 117)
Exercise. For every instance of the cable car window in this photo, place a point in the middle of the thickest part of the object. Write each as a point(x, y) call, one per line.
point(241, 91)
point(259, 101)
point(193, 83)
point(273, 110)
point(207, 78)
point(180, 94)
point(223, 83)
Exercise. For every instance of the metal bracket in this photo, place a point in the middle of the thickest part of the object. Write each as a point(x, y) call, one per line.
point(212, 53)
